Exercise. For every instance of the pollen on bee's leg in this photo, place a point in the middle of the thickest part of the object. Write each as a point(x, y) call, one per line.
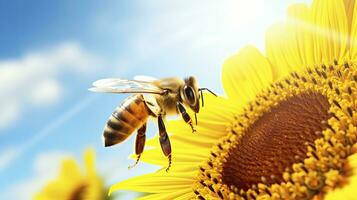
point(169, 166)
point(136, 162)
point(192, 128)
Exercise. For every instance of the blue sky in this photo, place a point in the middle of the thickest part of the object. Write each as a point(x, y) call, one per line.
point(51, 51)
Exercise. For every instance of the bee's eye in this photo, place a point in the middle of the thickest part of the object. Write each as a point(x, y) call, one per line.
point(190, 95)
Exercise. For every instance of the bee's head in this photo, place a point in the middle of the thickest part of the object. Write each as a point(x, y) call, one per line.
point(190, 94)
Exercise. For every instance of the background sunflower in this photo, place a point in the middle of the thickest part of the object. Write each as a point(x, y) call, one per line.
point(74, 184)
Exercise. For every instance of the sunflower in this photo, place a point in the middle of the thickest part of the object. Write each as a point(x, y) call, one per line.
point(71, 184)
point(287, 129)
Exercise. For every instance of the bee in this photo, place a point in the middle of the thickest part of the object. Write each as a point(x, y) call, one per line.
point(156, 98)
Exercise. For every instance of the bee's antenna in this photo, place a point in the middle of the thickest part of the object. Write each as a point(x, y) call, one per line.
point(201, 89)
point(196, 118)
point(201, 96)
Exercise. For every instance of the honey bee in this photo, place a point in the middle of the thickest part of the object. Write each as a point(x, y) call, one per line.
point(155, 98)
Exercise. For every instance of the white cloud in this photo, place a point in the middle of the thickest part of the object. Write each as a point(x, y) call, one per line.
point(9, 113)
point(46, 92)
point(46, 165)
point(33, 80)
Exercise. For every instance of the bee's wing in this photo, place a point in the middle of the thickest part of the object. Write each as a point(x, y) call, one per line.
point(144, 78)
point(115, 85)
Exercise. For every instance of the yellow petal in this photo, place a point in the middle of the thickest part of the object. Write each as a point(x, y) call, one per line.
point(245, 74)
point(347, 191)
point(300, 35)
point(349, 6)
point(70, 170)
point(89, 158)
point(193, 140)
point(204, 129)
point(276, 48)
point(180, 194)
point(204, 133)
point(353, 37)
point(289, 45)
point(164, 182)
point(180, 156)
point(331, 30)
point(217, 109)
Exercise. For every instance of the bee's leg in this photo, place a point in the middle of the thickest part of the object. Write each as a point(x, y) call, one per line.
point(139, 144)
point(185, 116)
point(164, 141)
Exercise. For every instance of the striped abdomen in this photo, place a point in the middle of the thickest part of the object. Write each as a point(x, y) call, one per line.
point(126, 118)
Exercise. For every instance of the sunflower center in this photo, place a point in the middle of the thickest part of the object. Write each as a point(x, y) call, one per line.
point(276, 140)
